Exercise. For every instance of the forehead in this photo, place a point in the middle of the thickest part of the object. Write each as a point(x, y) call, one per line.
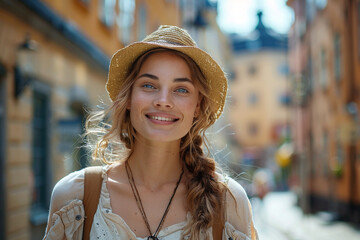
point(165, 60)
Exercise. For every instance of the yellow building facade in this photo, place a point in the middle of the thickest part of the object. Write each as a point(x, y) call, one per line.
point(255, 98)
point(259, 96)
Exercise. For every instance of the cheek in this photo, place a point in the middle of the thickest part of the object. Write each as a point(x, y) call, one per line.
point(136, 100)
point(190, 108)
point(135, 107)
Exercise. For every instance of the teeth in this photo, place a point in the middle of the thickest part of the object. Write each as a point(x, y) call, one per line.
point(162, 119)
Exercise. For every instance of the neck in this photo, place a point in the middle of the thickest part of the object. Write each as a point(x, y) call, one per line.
point(155, 164)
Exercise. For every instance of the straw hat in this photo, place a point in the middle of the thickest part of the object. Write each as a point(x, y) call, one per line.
point(178, 39)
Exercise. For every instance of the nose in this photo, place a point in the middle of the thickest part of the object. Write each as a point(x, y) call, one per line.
point(163, 100)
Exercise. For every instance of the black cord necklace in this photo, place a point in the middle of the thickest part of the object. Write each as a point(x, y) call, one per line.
point(140, 206)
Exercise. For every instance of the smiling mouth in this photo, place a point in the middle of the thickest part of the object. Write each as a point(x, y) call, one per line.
point(163, 119)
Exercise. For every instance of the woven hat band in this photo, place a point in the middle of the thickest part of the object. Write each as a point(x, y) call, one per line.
point(171, 35)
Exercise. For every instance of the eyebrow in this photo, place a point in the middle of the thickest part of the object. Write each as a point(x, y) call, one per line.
point(148, 75)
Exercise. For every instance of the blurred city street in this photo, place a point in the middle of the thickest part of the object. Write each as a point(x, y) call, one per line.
point(278, 218)
point(291, 119)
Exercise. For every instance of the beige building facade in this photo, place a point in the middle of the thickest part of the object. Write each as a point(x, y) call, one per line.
point(259, 97)
point(255, 97)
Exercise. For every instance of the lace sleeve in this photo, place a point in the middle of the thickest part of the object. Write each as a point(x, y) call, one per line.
point(67, 223)
point(69, 188)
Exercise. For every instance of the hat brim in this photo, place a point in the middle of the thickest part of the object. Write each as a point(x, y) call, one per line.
point(123, 59)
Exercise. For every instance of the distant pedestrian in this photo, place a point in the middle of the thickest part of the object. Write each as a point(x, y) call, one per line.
point(157, 183)
point(262, 182)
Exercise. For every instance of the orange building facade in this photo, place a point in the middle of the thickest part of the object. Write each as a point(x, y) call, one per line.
point(324, 67)
point(54, 58)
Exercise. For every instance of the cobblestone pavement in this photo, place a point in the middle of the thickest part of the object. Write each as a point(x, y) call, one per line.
point(278, 218)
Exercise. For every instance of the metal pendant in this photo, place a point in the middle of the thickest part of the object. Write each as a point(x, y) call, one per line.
point(152, 237)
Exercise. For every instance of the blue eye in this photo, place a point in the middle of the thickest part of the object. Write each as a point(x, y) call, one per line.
point(146, 85)
point(182, 90)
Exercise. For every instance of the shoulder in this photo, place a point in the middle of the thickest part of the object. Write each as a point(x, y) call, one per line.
point(237, 200)
point(236, 189)
point(68, 188)
point(233, 188)
point(238, 208)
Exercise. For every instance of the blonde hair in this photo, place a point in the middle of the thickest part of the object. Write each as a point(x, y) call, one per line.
point(115, 136)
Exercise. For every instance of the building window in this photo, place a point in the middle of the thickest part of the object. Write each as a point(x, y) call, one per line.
point(253, 129)
point(232, 75)
point(325, 154)
point(358, 27)
point(253, 99)
point(125, 19)
point(309, 75)
point(310, 11)
point(188, 11)
point(252, 70)
point(337, 51)
point(323, 68)
point(339, 154)
point(283, 69)
point(312, 150)
point(107, 12)
point(320, 4)
point(285, 99)
point(142, 22)
point(339, 164)
point(40, 157)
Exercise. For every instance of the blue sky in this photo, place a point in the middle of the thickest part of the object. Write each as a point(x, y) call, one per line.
point(239, 16)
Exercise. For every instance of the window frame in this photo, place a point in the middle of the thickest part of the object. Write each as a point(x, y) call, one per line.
point(253, 99)
point(253, 129)
point(124, 30)
point(324, 76)
point(337, 57)
point(142, 27)
point(107, 19)
point(39, 212)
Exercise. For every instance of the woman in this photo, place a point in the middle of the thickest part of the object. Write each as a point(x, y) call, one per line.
point(157, 182)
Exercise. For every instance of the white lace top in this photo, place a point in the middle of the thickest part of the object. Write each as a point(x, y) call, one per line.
point(66, 215)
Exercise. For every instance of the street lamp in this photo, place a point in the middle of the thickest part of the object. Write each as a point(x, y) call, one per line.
point(24, 68)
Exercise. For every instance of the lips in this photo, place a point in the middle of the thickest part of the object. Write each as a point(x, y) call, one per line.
point(162, 118)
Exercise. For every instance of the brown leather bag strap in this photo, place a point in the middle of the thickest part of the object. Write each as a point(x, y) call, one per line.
point(92, 189)
point(218, 226)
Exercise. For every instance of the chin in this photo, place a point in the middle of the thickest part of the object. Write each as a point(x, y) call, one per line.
point(166, 138)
